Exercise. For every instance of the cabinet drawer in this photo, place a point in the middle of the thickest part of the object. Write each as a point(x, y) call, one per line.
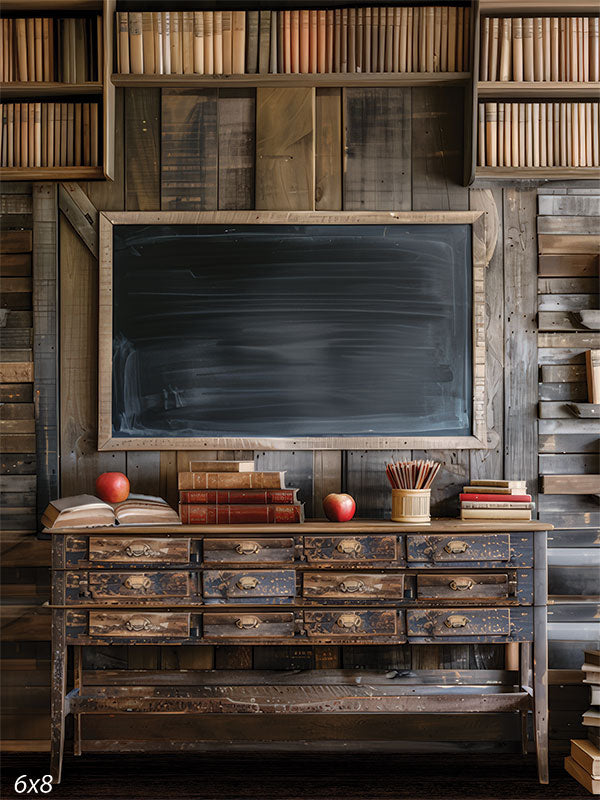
point(441, 548)
point(248, 585)
point(458, 622)
point(351, 622)
point(254, 625)
point(139, 550)
point(219, 551)
point(350, 548)
point(462, 587)
point(342, 585)
point(132, 624)
point(107, 585)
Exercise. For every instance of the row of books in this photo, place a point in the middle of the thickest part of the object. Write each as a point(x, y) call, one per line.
point(66, 50)
point(583, 763)
point(540, 49)
point(489, 499)
point(539, 134)
point(226, 492)
point(381, 39)
point(49, 135)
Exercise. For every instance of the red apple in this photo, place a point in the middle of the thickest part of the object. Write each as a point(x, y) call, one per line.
point(339, 507)
point(112, 487)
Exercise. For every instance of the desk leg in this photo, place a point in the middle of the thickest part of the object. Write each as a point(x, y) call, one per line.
point(58, 691)
point(77, 684)
point(540, 690)
point(525, 662)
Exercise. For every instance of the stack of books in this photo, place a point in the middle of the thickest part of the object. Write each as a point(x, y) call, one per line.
point(231, 492)
point(380, 39)
point(487, 499)
point(584, 762)
point(539, 49)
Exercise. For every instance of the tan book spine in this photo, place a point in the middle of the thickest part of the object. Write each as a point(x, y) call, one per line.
point(381, 39)
point(484, 49)
point(37, 134)
point(467, 66)
point(94, 155)
point(494, 42)
point(77, 135)
point(575, 135)
point(517, 49)
point(123, 42)
point(3, 136)
point(70, 134)
point(500, 136)
point(522, 135)
point(304, 41)
point(287, 41)
point(273, 46)
point(18, 136)
point(321, 41)
point(514, 134)
point(429, 39)
point(4, 44)
point(351, 65)
point(50, 137)
point(505, 50)
point(337, 40)
point(199, 43)
point(230, 480)
point(99, 47)
point(574, 61)
point(252, 41)
point(543, 136)
point(491, 134)
point(176, 43)
point(227, 40)
point(595, 49)
point(85, 114)
point(30, 37)
point(402, 63)
point(582, 152)
point(148, 42)
point(368, 16)
point(547, 47)
point(580, 49)
point(218, 42)
point(166, 42)
point(187, 40)
point(589, 161)
point(344, 42)
point(507, 135)
point(529, 158)
point(38, 56)
point(565, 124)
point(437, 41)
point(21, 31)
point(330, 40)
point(58, 134)
point(10, 135)
point(136, 46)
point(556, 133)
point(562, 48)
point(421, 48)
point(360, 40)
point(592, 371)
point(31, 134)
point(550, 133)
point(313, 56)
point(444, 40)
point(595, 135)
point(238, 42)
point(535, 122)
point(397, 13)
point(12, 65)
point(538, 51)
point(209, 62)
point(460, 43)
point(157, 24)
point(481, 135)
point(554, 50)
point(264, 41)
point(295, 37)
point(415, 29)
point(586, 48)
point(528, 69)
point(410, 67)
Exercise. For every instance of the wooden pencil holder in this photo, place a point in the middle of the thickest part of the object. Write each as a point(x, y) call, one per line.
point(411, 505)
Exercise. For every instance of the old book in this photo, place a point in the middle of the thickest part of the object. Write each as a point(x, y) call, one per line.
point(239, 497)
point(543, 136)
point(538, 51)
point(403, 65)
point(30, 37)
point(221, 466)
point(367, 18)
point(85, 123)
point(582, 776)
point(529, 135)
point(499, 484)
point(484, 49)
point(592, 371)
point(573, 25)
point(592, 657)
point(87, 511)
point(240, 514)
point(587, 756)
point(30, 134)
point(495, 513)
point(460, 44)
point(374, 39)
point(337, 40)
point(481, 135)
point(429, 39)
point(264, 42)
point(517, 49)
point(21, 45)
point(352, 42)
point(494, 45)
point(594, 49)
point(70, 134)
point(287, 41)
point(123, 49)
point(141, 509)
point(176, 42)
point(499, 490)
point(409, 39)
point(148, 43)
point(231, 480)
point(444, 39)
point(329, 39)
point(166, 42)
point(554, 50)
point(94, 155)
point(505, 50)
point(273, 46)
point(556, 133)
point(514, 134)
point(158, 45)
point(36, 108)
point(491, 134)
point(437, 38)
point(500, 135)
point(218, 43)
point(209, 62)
point(38, 55)
point(295, 41)
point(198, 42)
point(304, 45)
point(321, 41)
point(580, 48)
point(238, 42)
point(586, 48)
point(467, 66)
point(575, 154)
point(550, 134)
point(280, 45)
point(591, 718)
point(10, 144)
point(187, 39)
point(344, 42)
point(17, 136)
point(507, 134)
point(593, 735)
point(595, 136)
point(4, 137)
point(547, 47)
point(528, 55)
point(395, 43)
point(136, 47)
point(227, 40)
point(478, 504)
point(57, 133)
point(359, 41)
point(78, 134)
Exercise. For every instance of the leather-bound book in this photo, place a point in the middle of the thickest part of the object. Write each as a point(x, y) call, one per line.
point(136, 48)
point(304, 45)
point(240, 514)
point(148, 42)
point(238, 42)
point(187, 41)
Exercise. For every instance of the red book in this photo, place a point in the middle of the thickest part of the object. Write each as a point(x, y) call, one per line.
point(234, 514)
point(239, 496)
point(496, 498)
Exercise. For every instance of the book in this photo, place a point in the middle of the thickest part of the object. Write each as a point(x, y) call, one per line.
point(591, 717)
point(148, 42)
point(484, 55)
point(252, 42)
point(304, 43)
point(87, 511)
point(218, 42)
point(594, 737)
point(587, 756)
point(238, 42)
point(136, 47)
point(240, 514)
point(321, 41)
point(528, 59)
point(123, 47)
point(238, 497)
point(494, 498)
point(187, 38)
point(497, 490)
point(479, 504)
point(221, 466)
point(487, 513)
point(592, 367)
point(227, 40)
point(505, 50)
point(494, 47)
point(198, 43)
point(209, 63)
point(273, 49)
point(231, 480)
point(502, 484)
point(264, 42)
point(582, 776)
point(592, 657)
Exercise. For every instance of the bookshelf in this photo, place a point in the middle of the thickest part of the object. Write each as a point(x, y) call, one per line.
point(99, 91)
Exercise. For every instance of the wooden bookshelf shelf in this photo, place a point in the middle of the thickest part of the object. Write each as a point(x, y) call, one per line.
point(301, 80)
point(48, 89)
point(547, 90)
point(539, 173)
point(524, 8)
point(51, 173)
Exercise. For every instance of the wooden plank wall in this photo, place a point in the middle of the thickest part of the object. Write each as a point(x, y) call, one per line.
point(368, 149)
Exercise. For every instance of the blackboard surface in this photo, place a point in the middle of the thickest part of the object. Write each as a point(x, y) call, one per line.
point(292, 330)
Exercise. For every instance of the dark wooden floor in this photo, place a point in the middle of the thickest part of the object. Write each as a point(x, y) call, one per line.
point(346, 776)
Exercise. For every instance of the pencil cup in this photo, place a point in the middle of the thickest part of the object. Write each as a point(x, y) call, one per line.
point(411, 505)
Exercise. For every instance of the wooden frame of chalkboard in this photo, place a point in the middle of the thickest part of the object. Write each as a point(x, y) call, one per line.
point(477, 439)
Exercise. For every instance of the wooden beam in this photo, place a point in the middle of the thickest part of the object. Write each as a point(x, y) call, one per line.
point(81, 213)
point(571, 484)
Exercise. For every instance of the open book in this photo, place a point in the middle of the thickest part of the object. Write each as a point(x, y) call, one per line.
point(87, 511)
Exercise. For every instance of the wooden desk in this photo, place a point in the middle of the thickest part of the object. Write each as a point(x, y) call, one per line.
point(362, 582)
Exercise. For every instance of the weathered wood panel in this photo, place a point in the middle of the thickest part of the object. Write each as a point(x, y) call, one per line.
point(328, 150)
point(236, 142)
point(142, 147)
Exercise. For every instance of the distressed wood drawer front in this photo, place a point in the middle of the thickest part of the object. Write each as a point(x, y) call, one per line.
point(370, 585)
point(139, 549)
point(461, 587)
point(106, 585)
point(142, 624)
point(351, 622)
point(350, 548)
point(219, 551)
point(458, 622)
point(249, 584)
point(252, 625)
point(460, 547)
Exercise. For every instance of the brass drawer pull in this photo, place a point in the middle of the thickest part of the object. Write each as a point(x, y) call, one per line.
point(352, 585)
point(349, 621)
point(139, 624)
point(247, 548)
point(456, 546)
point(140, 582)
point(456, 621)
point(350, 547)
point(461, 585)
point(247, 582)
point(137, 550)
point(243, 623)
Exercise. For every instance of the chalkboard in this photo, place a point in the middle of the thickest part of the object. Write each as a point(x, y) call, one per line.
point(257, 331)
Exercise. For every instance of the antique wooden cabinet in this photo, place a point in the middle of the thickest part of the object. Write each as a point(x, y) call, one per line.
point(362, 582)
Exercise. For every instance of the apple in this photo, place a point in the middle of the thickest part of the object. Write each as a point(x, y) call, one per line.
point(339, 507)
point(112, 487)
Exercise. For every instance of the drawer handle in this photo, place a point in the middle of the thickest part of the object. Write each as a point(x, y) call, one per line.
point(349, 547)
point(140, 582)
point(456, 546)
point(349, 621)
point(352, 585)
point(456, 621)
point(243, 623)
point(247, 548)
point(461, 585)
point(137, 550)
point(138, 624)
point(247, 582)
